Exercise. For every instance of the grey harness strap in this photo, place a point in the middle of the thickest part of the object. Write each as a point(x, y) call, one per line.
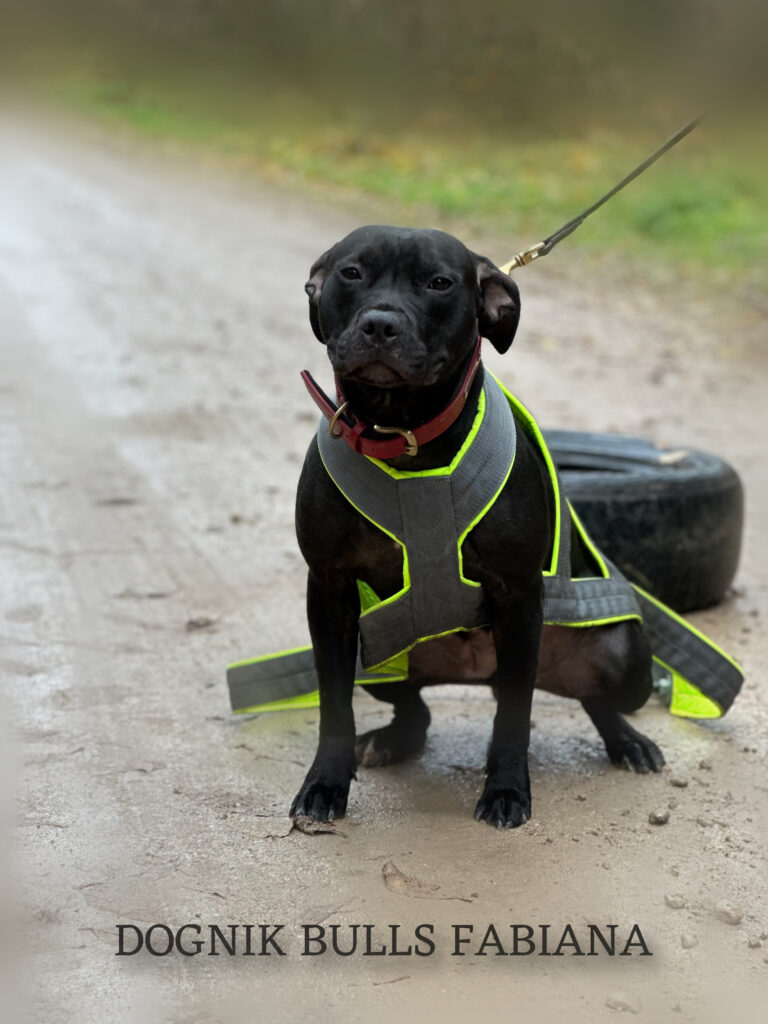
point(679, 647)
point(283, 676)
point(427, 514)
point(271, 679)
point(587, 599)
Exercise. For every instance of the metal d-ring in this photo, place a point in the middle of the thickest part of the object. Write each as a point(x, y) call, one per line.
point(332, 421)
point(412, 448)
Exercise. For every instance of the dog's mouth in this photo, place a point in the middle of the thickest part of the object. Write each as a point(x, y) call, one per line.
point(378, 374)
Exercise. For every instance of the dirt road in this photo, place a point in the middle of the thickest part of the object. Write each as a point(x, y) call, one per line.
point(152, 426)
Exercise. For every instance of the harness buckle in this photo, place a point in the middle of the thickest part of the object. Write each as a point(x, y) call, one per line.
point(412, 448)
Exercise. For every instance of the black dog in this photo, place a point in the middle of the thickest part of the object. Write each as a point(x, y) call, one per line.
point(400, 311)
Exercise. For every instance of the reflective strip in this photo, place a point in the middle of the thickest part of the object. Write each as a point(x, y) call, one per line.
point(687, 700)
point(304, 700)
point(531, 427)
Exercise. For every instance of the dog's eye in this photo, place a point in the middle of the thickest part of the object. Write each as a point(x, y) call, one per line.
point(350, 273)
point(440, 284)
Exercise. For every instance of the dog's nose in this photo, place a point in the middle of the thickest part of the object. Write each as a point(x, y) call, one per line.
point(381, 325)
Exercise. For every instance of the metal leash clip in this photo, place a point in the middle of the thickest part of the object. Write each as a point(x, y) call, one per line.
point(524, 258)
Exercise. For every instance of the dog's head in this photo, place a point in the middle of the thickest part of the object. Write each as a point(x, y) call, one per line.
point(403, 307)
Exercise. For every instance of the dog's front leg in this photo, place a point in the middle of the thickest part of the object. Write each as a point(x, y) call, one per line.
point(517, 623)
point(333, 609)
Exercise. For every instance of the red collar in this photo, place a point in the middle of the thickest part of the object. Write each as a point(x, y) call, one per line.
point(343, 423)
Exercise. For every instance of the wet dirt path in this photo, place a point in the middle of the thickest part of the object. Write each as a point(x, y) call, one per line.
point(152, 426)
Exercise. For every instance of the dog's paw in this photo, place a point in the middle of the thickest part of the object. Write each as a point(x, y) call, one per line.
point(631, 750)
point(503, 807)
point(388, 745)
point(323, 795)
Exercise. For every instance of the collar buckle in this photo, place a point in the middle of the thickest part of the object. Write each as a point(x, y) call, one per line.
point(412, 447)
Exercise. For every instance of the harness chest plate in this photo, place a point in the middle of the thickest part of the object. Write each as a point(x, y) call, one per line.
point(430, 513)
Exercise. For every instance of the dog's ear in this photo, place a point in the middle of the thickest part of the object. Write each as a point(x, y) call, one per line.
point(313, 287)
point(498, 304)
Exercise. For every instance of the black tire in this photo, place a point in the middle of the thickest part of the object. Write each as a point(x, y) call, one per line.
point(670, 519)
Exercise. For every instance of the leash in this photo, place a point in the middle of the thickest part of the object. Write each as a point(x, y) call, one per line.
point(542, 248)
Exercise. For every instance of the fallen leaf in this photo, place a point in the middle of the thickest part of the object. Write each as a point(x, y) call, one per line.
point(311, 827)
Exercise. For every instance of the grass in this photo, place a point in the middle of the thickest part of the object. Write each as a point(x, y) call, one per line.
point(701, 209)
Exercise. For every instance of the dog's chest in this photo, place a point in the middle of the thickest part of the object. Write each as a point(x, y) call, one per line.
point(378, 559)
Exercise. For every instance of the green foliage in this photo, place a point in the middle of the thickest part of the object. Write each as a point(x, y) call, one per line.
point(697, 207)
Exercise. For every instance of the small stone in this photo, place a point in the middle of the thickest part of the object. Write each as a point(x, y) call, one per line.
point(199, 622)
point(729, 913)
point(754, 942)
point(704, 822)
point(622, 1002)
point(660, 817)
point(705, 764)
point(688, 940)
point(672, 804)
point(675, 900)
point(679, 781)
